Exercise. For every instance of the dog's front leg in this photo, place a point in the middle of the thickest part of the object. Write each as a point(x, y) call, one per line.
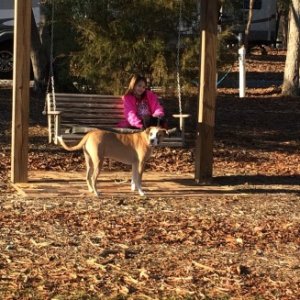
point(134, 176)
point(139, 178)
point(132, 185)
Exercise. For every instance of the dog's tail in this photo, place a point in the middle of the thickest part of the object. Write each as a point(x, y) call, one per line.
point(74, 148)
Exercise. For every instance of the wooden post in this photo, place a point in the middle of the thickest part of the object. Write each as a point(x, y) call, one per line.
point(207, 93)
point(21, 77)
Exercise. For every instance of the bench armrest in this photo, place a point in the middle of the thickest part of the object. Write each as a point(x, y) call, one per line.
point(181, 118)
point(54, 128)
point(54, 113)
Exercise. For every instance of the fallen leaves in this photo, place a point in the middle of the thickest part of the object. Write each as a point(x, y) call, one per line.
point(180, 253)
point(241, 246)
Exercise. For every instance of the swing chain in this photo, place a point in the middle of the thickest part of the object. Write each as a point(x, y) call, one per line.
point(51, 72)
point(178, 58)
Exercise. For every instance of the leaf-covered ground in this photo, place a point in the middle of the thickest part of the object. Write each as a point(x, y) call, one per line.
point(237, 247)
point(240, 246)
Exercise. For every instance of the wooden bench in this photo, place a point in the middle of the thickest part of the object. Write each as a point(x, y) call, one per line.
point(72, 115)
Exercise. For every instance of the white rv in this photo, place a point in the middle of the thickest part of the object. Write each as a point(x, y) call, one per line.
point(6, 34)
point(264, 24)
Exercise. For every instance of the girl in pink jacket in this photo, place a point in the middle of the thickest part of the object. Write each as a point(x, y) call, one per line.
point(141, 106)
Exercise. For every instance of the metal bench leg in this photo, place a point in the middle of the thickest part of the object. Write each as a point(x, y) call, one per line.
point(50, 133)
point(56, 128)
point(181, 120)
point(182, 127)
point(109, 164)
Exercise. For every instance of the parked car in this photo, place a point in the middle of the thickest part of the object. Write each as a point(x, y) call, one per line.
point(6, 49)
point(6, 35)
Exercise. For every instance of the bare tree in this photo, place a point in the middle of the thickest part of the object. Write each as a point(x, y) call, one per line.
point(248, 26)
point(39, 58)
point(283, 20)
point(291, 72)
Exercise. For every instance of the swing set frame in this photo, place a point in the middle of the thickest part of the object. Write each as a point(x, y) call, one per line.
point(206, 103)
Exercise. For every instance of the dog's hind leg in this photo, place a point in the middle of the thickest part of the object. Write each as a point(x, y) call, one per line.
point(97, 167)
point(89, 169)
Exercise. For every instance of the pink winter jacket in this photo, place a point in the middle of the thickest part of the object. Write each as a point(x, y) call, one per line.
point(130, 110)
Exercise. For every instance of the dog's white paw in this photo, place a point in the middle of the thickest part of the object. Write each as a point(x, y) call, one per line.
point(141, 192)
point(132, 187)
point(96, 193)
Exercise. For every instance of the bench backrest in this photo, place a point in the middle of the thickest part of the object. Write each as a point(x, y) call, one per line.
point(96, 111)
point(87, 110)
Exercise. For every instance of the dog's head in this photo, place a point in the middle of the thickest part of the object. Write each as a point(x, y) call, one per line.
point(155, 135)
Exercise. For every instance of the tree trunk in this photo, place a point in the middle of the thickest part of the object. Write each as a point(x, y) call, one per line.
point(248, 26)
point(39, 58)
point(291, 72)
point(285, 31)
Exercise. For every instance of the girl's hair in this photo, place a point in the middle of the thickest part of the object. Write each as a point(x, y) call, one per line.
point(134, 80)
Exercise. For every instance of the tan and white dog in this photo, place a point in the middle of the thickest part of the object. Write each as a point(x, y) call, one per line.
point(129, 148)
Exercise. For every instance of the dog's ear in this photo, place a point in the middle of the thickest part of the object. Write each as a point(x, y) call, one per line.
point(172, 130)
point(163, 132)
point(147, 130)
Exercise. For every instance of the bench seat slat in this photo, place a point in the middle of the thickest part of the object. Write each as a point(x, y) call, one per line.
point(88, 104)
point(67, 127)
point(90, 121)
point(75, 96)
point(116, 111)
point(87, 114)
point(96, 121)
point(88, 100)
point(99, 118)
point(85, 105)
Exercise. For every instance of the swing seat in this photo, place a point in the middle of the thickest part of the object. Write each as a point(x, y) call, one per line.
point(73, 115)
